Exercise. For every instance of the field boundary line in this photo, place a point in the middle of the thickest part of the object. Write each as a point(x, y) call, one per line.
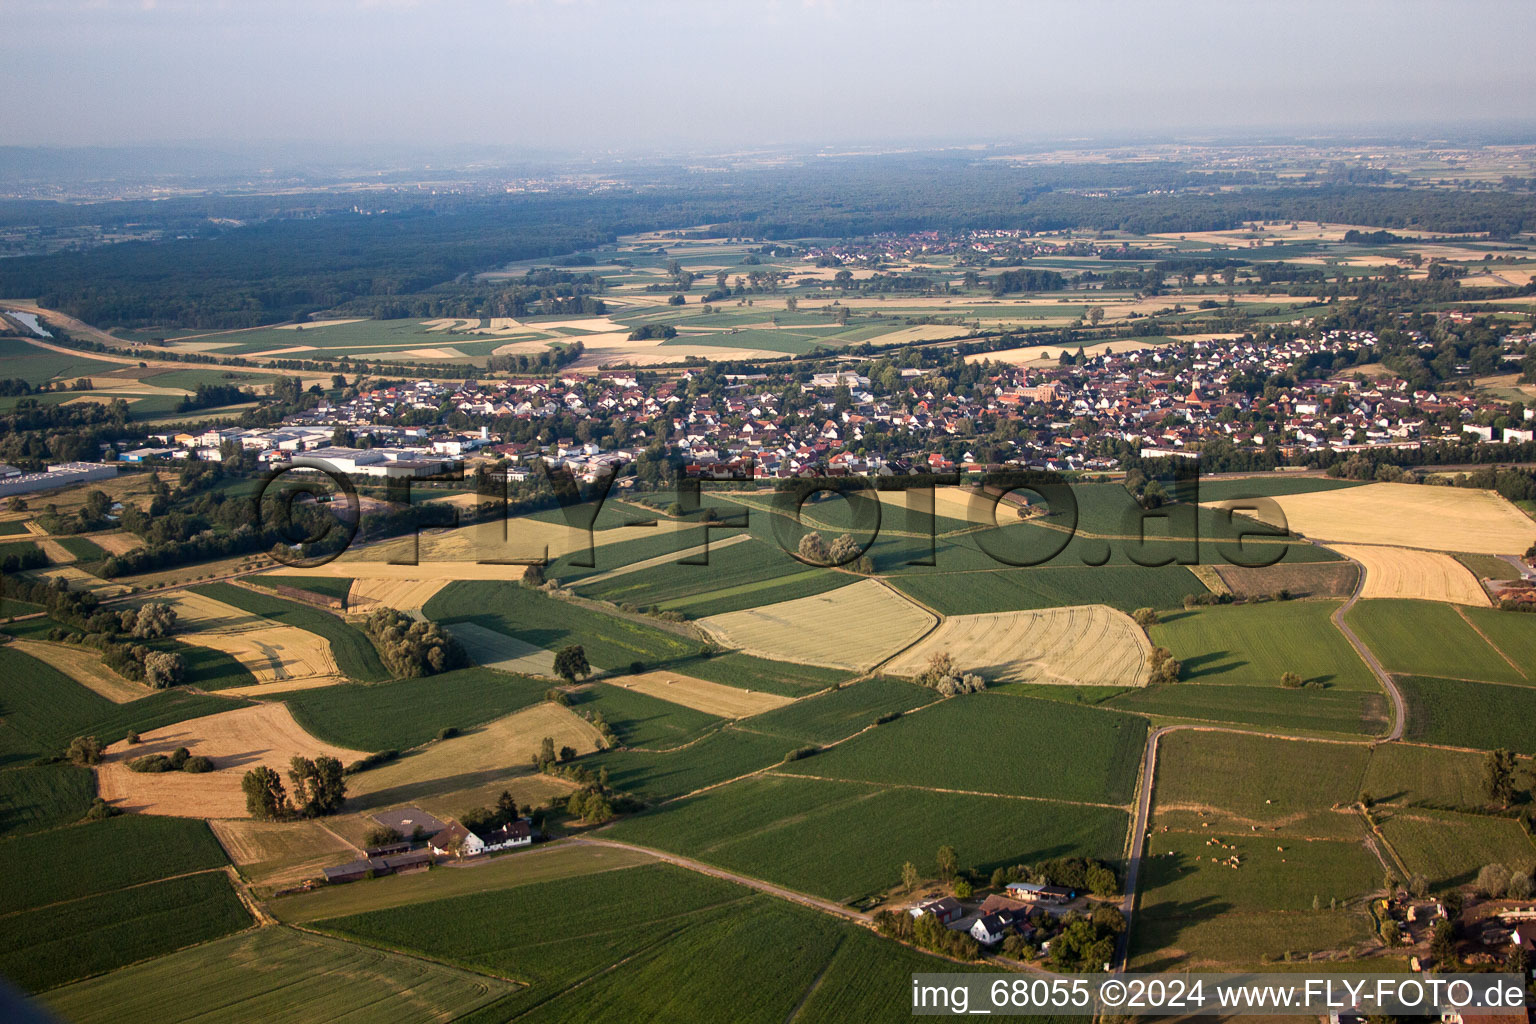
point(108, 892)
point(1489, 641)
point(942, 789)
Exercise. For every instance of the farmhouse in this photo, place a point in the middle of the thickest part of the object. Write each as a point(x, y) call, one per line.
point(1031, 892)
point(457, 840)
point(507, 837)
point(947, 910)
point(990, 929)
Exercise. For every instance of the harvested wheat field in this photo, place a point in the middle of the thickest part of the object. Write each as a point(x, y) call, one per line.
point(270, 650)
point(84, 666)
point(79, 579)
point(117, 543)
point(855, 627)
point(498, 650)
point(1088, 645)
point(237, 741)
point(1410, 516)
point(405, 596)
point(281, 853)
point(506, 745)
point(702, 695)
point(1404, 572)
point(426, 571)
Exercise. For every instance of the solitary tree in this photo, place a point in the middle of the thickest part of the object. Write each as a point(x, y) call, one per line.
point(571, 662)
point(84, 750)
point(909, 876)
point(948, 864)
point(1095, 314)
point(265, 798)
point(163, 668)
point(1290, 680)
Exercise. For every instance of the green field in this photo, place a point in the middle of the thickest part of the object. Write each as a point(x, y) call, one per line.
point(32, 799)
point(1253, 644)
point(1345, 712)
point(39, 365)
point(841, 712)
point(41, 710)
point(327, 586)
point(84, 860)
point(83, 548)
point(1427, 638)
point(409, 712)
point(1409, 775)
point(354, 652)
point(1031, 748)
point(781, 677)
point(190, 378)
point(1126, 587)
point(52, 945)
point(644, 721)
point(846, 840)
point(611, 642)
point(1449, 848)
point(1239, 780)
point(13, 528)
point(1274, 485)
point(1512, 633)
point(1458, 713)
point(277, 974)
point(718, 757)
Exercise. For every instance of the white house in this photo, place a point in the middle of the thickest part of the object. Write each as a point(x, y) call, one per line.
point(508, 837)
point(456, 839)
point(990, 929)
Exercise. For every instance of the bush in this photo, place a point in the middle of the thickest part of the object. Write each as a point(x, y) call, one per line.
point(84, 750)
point(197, 765)
point(801, 753)
point(447, 732)
point(1165, 668)
point(372, 761)
point(411, 648)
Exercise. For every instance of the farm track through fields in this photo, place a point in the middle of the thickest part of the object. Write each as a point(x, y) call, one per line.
point(784, 774)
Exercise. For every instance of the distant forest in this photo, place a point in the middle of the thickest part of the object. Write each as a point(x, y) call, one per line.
point(300, 254)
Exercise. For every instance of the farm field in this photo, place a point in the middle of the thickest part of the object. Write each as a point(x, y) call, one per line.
point(279, 853)
point(1219, 488)
point(780, 677)
point(718, 757)
point(1123, 587)
point(407, 596)
point(353, 652)
point(1410, 775)
point(610, 641)
point(1228, 782)
point(1309, 579)
point(84, 666)
point(40, 797)
point(496, 650)
point(837, 629)
point(492, 750)
point(641, 720)
point(1461, 713)
point(817, 835)
point(270, 652)
point(236, 741)
point(278, 974)
point(1425, 638)
point(1084, 646)
point(409, 712)
point(1449, 848)
point(53, 945)
point(1413, 516)
point(525, 867)
point(1080, 754)
point(840, 713)
point(702, 695)
point(44, 710)
point(1333, 711)
point(1254, 644)
point(1407, 573)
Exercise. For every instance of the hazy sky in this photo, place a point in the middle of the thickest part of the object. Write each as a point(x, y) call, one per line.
point(598, 75)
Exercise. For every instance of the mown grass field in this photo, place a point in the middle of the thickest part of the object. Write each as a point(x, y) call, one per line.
point(1254, 644)
point(1457, 713)
point(32, 799)
point(1031, 748)
point(611, 642)
point(354, 652)
point(41, 710)
point(46, 947)
point(277, 974)
point(1426, 638)
point(1238, 780)
point(408, 712)
point(846, 840)
point(1409, 775)
point(1449, 848)
point(1183, 869)
point(841, 712)
point(1343, 712)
